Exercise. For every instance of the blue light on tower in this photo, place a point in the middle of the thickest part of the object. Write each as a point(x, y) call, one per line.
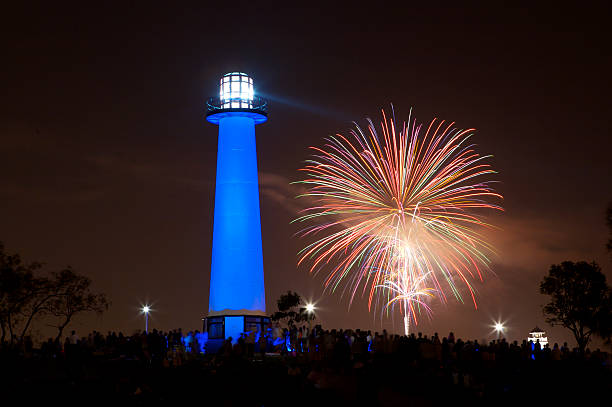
point(237, 301)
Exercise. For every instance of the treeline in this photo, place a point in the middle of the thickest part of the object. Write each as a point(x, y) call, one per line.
point(28, 293)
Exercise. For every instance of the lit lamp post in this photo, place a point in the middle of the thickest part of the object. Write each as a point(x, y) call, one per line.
point(310, 308)
point(145, 310)
point(499, 328)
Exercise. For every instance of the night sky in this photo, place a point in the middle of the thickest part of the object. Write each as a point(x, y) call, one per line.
point(107, 163)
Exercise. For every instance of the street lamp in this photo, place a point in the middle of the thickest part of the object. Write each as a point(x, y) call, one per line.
point(499, 328)
point(310, 309)
point(145, 310)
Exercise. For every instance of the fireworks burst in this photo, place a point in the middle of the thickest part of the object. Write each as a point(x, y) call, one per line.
point(397, 213)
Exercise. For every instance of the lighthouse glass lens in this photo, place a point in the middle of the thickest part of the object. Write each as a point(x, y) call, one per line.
point(236, 91)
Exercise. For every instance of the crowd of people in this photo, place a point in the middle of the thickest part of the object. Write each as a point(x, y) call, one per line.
point(337, 361)
point(145, 346)
point(314, 344)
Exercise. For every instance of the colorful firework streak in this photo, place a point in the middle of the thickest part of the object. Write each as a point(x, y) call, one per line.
point(397, 213)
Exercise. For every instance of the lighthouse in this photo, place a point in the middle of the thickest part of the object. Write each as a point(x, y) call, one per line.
point(237, 301)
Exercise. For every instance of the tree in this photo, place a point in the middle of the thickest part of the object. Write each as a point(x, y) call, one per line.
point(25, 296)
point(72, 296)
point(39, 291)
point(581, 300)
point(290, 310)
point(20, 290)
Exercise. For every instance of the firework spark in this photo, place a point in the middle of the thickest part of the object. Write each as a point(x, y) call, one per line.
point(397, 213)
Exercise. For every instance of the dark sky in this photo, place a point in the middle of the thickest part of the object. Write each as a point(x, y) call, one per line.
point(107, 163)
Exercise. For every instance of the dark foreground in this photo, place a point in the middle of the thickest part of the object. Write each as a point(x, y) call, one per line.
point(372, 380)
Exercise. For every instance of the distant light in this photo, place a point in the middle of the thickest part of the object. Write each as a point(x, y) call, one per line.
point(146, 309)
point(499, 327)
point(310, 308)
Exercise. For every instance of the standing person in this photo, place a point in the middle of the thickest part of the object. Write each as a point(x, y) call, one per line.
point(70, 344)
point(67, 346)
point(293, 337)
point(195, 344)
point(250, 342)
point(299, 345)
point(72, 356)
point(312, 345)
point(306, 340)
point(74, 338)
point(263, 343)
point(202, 338)
point(537, 350)
point(187, 339)
point(328, 343)
point(226, 348)
point(278, 338)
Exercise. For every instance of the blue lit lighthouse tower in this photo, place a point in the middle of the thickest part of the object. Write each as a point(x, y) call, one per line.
point(237, 301)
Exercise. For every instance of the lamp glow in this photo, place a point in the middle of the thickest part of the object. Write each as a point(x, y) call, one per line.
point(310, 308)
point(499, 328)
